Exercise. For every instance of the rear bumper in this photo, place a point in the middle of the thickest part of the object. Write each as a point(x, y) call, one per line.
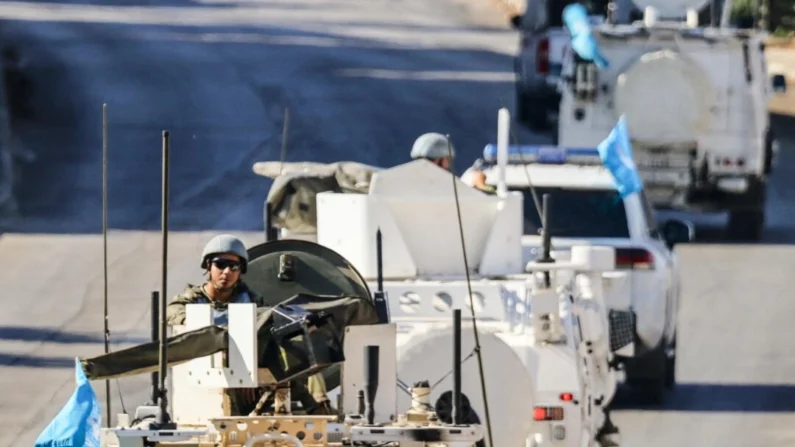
point(540, 94)
point(720, 194)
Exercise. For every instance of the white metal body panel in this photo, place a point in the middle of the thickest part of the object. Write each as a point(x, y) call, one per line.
point(509, 380)
point(353, 371)
point(413, 205)
point(197, 387)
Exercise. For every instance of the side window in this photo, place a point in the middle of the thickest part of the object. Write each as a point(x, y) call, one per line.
point(651, 220)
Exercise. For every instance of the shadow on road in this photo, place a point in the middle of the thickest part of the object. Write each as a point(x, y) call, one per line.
point(351, 98)
point(26, 361)
point(713, 397)
point(54, 335)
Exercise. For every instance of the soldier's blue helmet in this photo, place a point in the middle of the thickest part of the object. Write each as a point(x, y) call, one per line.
point(431, 145)
point(225, 243)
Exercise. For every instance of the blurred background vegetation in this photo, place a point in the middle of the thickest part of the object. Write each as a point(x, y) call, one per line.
point(777, 16)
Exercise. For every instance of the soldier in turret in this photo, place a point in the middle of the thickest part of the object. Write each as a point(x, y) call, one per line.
point(225, 260)
point(434, 147)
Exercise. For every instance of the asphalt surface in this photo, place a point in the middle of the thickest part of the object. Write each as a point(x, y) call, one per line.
point(362, 80)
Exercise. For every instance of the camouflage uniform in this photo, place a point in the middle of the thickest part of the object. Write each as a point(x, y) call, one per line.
point(175, 312)
point(312, 394)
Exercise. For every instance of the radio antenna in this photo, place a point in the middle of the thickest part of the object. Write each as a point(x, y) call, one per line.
point(105, 244)
point(164, 420)
point(515, 139)
point(471, 300)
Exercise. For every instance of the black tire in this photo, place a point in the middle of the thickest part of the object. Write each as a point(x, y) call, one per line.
point(670, 369)
point(531, 113)
point(746, 226)
point(647, 376)
point(769, 155)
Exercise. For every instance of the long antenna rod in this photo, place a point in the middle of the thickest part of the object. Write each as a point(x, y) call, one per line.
point(471, 298)
point(457, 367)
point(379, 297)
point(515, 139)
point(155, 320)
point(105, 245)
point(164, 419)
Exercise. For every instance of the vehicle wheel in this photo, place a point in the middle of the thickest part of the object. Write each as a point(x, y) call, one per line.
point(647, 376)
point(670, 368)
point(746, 225)
point(530, 111)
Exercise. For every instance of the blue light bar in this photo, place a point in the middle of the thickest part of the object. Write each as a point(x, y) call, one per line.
point(526, 154)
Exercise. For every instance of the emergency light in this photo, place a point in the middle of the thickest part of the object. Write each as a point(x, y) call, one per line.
point(543, 154)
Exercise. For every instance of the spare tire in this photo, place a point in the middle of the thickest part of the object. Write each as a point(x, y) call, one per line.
point(666, 98)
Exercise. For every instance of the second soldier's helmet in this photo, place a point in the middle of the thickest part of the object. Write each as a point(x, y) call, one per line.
point(225, 243)
point(431, 145)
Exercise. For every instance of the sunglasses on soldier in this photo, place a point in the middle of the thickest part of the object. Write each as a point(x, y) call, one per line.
point(222, 264)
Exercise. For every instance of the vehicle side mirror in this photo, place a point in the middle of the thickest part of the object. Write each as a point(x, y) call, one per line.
point(516, 22)
point(779, 83)
point(675, 231)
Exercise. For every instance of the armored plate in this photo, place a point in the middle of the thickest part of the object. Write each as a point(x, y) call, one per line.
point(316, 270)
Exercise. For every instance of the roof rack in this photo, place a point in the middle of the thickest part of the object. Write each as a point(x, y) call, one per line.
point(544, 154)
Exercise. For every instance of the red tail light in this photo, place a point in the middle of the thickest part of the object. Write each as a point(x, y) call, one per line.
point(548, 413)
point(634, 259)
point(542, 57)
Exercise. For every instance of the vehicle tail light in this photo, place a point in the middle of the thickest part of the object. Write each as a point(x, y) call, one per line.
point(728, 161)
point(548, 413)
point(634, 259)
point(542, 57)
point(566, 397)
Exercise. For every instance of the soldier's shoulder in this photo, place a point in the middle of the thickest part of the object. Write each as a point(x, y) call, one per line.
point(190, 293)
point(253, 296)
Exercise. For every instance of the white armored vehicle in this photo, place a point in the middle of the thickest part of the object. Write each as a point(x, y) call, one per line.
point(695, 101)
point(542, 340)
point(240, 385)
point(244, 381)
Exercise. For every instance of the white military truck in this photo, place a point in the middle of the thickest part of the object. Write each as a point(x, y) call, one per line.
point(695, 102)
point(546, 349)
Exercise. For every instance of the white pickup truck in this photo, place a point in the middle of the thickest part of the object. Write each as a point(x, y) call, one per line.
point(695, 102)
point(543, 44)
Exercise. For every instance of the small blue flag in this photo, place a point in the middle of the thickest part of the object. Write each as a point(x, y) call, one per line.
point(78, 422)
point(582, 40)
point(616, 155)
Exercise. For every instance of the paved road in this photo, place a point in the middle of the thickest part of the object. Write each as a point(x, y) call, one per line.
point(362, 79)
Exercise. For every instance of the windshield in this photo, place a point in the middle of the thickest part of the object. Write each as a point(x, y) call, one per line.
point(555, 9)
point(578, 213)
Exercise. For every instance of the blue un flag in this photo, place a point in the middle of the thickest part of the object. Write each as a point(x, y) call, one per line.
point(78, 422)
point(616, 154)
point(583, 41)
